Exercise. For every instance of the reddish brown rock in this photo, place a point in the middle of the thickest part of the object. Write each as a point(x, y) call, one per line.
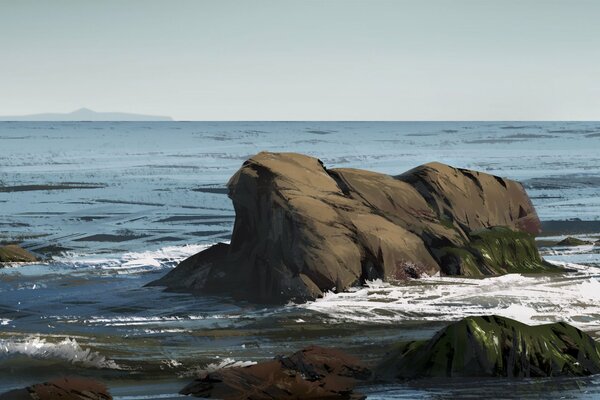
point(312, 373)
point(63, 389)
point(301, 229)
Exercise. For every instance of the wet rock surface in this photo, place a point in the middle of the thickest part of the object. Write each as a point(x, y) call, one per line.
point(493, 346)
point(312, 373)
point(301, 229)
point(61, 389)
point(15, 253)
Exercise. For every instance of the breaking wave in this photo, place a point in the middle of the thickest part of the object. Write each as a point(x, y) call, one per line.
point(131, 262)
point(66, 350)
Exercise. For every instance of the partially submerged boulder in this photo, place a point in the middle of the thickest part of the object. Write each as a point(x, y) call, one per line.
point(493, 346)
point(312, 373)
point(63, 389)
point(301, 229)
point(571, 241)
point(15, 253)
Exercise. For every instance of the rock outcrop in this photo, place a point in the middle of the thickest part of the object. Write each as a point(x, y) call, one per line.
point(15, 253)
point(312, 373)
point(63, 389)
point(494, 346)
point(301, 229)
point(570, 241)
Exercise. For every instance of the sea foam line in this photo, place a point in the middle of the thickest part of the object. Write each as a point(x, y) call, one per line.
point(572, 297)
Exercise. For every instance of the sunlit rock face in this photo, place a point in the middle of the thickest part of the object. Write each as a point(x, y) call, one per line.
point(302, 229)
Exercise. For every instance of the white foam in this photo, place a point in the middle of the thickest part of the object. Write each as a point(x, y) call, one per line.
point(572, 297)
point(5, 321)
point(217, 365)
point(131, 262)
point(67, 350)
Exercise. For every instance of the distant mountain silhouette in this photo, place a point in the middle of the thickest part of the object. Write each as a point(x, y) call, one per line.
point(85, 114)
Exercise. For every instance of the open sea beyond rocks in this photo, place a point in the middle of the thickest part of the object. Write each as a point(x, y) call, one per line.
point(115, 205)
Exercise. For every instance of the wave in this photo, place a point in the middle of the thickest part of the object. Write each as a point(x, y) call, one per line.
point(130, 262)
point(573, 297)
point(66, 350)
point(215, 366)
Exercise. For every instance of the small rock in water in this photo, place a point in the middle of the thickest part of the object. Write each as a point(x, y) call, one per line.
point(312, 373)
point(572, 241)
point(493, 346)
point(15, 253)
point(63, 389)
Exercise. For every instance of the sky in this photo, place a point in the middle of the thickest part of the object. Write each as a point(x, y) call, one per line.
point(304, 60)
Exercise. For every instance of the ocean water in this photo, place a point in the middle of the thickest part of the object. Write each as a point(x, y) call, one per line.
point(114, 206)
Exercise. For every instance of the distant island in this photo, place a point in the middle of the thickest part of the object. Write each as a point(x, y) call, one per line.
point(85, 114)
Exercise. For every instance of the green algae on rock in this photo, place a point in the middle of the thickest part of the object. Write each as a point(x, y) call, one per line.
point(495, 251)
point(14, 253)
point(493, 346)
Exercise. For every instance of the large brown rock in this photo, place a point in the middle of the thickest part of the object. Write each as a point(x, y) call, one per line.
point(63, 389)
point(301, 229)
point(312, 373)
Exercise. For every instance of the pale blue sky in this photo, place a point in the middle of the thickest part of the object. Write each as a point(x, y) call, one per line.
point(299, 60)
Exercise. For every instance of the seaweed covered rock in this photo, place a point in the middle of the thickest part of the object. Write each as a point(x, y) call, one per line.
point(64, 389)
point(493, 346)
point(302, 229)
point(312, 373)
point(15, 253)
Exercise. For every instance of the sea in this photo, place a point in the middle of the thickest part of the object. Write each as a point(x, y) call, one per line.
point(112, 206)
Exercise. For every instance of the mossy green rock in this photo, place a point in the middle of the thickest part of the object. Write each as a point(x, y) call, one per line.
point(14, 253)
point(495, 251)
point(493, 346)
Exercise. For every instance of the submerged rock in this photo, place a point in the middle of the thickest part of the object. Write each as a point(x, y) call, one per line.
point(572, 241)
point(63, 389)
point(312, 373)
point(494, 346)
point(15, 253)
point(301, 229)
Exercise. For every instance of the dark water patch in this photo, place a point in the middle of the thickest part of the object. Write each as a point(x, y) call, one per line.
point(213, 190)
point(570, 227)
point(320, 132)
point(571, 131)
point(427, 134)
point(568, 181)
point(60, 186)
point(529, 136)
point(135, 203)
point(450, 130)
point(165, 239)
point(593, 135)
point(206, 233)
point(493, 141)
point(105, 237)
point(179, 218)
point(89, 218)
point(14, 224)
point(509, 127)
point(172, 166)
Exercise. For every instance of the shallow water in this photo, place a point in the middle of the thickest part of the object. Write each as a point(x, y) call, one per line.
point(116, 205)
